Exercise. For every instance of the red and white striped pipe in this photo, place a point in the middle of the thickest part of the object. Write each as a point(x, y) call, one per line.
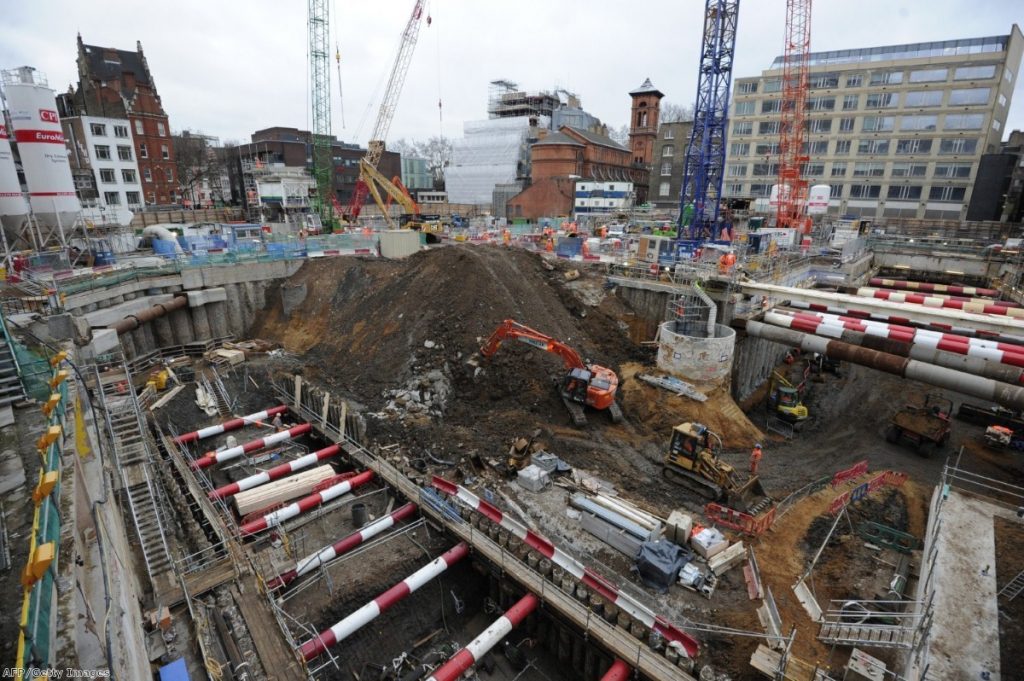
point(947, 297)
point(305, 504)
point(213, 458)
point(833, 327)
point(481, 645)
point(585, 575)
point(619, 671)
point(233, 424)
point(864, 314)
point(975, 305)
point(327, 638)
point(926, 287)
point(341, 547)
point(275, 473)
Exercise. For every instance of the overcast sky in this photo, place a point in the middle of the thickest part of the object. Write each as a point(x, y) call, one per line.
point(229, 68)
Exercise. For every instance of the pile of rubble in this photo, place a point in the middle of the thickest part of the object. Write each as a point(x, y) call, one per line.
point(424, 396)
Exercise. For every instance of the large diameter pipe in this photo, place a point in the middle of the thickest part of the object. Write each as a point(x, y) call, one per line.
point(305, 504)
point(482, 644)
point(316, 646)
point(233, 424)
point(1009, 396)
point(926, 287)
point(341, 547)
point(275, 473)
point(619, 671)
point(212, 458)
point(898, 295)
point(974, 305)
point(134, 321)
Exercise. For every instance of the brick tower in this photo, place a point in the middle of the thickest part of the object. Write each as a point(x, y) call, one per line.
point(643, 131)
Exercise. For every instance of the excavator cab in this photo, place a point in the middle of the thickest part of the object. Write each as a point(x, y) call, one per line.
point(785, 399)
point(576, 384)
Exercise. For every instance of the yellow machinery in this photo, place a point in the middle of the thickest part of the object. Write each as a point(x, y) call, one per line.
point(784, 398)
point(692, 461)
point(375, 181)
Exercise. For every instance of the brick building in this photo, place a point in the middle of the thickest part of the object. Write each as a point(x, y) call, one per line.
point(118, 84)
point(668, 163)
point(643, 131)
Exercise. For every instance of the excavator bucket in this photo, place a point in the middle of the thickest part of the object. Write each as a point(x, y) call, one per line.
point(750, 497)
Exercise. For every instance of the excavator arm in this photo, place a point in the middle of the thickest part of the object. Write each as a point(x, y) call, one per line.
point(397, 181)
point(374, 179)
point(513, 329)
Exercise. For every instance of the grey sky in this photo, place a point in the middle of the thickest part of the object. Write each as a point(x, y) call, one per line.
point(228, 68)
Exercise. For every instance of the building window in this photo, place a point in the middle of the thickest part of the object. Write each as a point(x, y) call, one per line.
point(839, 169)
point(865, 191)
point(169, 174)
point(975, 72)
point(1007, 75)
point(996, 125)
point(855, 80)
point(928, 75)
point(773, 85)
point(112, 198)
point(147, 175)
point(868, 169)
point(978, 95)
point(1002, 100)
point(765, 169)
point(747, 88)
point(164, 153)
point(124, 153)
point(913, 146)
point(737, 170)
point(760, 189)
point(958, 145)
point(842, 147)
point(739, 149)
point(947, 194)
point(744, 108)
point(835, 191)
point(819, 125)
point(766, 149)
point(882, 100)
point(668, 150)
point(952, 170)
point(128, 176)
point(964, 121)
point(663, 189)
point(768, 128)
point(919, 122)
point(102, 152)
point(878, 123)
point(134, 198)
point(821, 103)
point(823, 80)
point(670, 134)
point(846, 124)
point(160, 129)
point(98, 129)
point(818, 148)
point(923, 98)
point(871, 147)
point(138, 127)
point(886, 77)
point(746, 128)
point(666, 168)
point(850, 102)
point(121, 131)
point(813, 169)
point(143, 151)
point(909, 169)
point(107, 176)
point(771, 106)
point(904, 192)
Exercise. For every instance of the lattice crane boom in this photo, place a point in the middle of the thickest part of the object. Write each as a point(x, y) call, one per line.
point(320, 91)
point(792, 186)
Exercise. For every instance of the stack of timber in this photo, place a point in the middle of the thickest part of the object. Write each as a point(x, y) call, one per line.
point(280, 491)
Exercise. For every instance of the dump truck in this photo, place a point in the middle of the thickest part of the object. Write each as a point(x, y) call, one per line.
point(926, 427)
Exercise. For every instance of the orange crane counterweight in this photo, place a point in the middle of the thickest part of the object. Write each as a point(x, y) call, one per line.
point(591, 385)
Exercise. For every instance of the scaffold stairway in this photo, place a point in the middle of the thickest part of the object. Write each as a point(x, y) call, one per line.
point(1013, 588)
point(881, 636)
point(220, 394)
point(11, 388)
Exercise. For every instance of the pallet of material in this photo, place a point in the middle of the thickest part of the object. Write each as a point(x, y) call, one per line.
point(723, 560)
point(280, 491)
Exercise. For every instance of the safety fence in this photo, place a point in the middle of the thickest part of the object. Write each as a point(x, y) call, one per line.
point(753, 525)
point(40, 572)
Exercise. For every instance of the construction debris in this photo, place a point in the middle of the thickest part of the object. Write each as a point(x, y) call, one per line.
point(674, 385)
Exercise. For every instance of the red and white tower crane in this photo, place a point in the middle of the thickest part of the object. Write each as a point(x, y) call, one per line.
point(792, 187)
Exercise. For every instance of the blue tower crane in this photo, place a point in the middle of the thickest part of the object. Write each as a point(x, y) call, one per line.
point(700, 195)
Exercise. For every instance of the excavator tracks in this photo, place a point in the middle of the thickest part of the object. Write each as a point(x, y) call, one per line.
point(579, 418)
point(615, 412)
point(693, 482)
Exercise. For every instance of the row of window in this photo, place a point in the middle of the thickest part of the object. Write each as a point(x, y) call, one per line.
point(914, 123)
point(876, 78)
point(100, 129)
point(915, 99)
point(109, 176)
point(865, 147)
point(114, 198)
point(124, 153)
point(860, 191)
point(840, 168)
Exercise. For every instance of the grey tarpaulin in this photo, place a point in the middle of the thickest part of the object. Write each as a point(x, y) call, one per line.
point(658, 563)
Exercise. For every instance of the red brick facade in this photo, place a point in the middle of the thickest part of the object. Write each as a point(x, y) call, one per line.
point(117, 84)
point(549, 197)
point(643, 131)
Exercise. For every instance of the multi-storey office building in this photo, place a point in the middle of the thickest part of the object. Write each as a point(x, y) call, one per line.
point(895, 131)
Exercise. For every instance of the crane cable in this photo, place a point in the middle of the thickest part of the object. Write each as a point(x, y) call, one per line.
point(440, 110)
point(337, 59)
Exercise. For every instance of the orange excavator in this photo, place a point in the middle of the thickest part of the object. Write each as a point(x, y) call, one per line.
point(585, 384)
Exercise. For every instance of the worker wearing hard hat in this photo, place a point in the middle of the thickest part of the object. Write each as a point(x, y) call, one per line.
point(755, 458)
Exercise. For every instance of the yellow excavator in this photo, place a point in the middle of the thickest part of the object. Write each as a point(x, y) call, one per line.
point(375, 181)
point(692, 461)
point(784, 398)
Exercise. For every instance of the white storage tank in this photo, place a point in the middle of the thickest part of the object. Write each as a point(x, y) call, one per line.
point(13, 206)
point(817, 199)
point(780, 192)
point(44, 157)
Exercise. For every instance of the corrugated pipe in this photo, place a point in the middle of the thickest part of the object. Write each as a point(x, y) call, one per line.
point(1009, 396)
point(712, 309)
point(134, 321)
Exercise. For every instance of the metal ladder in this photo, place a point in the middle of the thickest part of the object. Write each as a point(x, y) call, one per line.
point(132, 452)
point(1013, 588)
point(11, 387)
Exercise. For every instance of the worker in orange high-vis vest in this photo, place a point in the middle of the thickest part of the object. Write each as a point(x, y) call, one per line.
point(755, 458)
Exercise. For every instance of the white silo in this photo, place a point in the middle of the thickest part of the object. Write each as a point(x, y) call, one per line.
point(817, 199)
point(44, 157)
point(13, 206)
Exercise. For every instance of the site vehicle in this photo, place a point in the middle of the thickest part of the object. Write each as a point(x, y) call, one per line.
point(375, 181)
point(998, 437)
point(785, 400)
point(585, 384)
point(692, 460)
point(925, 426)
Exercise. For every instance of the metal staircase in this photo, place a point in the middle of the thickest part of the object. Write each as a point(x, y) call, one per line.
point(11, 388)
point(1013, 588)
point(128, 434)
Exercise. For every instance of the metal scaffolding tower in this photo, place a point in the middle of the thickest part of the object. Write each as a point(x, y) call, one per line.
point(705, 157)
point(320, 90)
point(792, 189)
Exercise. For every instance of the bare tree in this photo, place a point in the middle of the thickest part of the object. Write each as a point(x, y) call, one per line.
point(620, 135)
point(437, 151)
point(199, 166)
point(670, 112)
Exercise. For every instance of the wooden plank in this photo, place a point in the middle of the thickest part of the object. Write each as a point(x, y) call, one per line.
point(279, 491)
point(216, 574)
point(278, 659)
point(167, 397)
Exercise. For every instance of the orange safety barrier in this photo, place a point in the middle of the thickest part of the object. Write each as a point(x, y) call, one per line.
point(858, 469)
point(753, 525)
point(889, 478)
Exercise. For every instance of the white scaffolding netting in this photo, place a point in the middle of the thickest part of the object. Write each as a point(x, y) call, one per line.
point(491, 152)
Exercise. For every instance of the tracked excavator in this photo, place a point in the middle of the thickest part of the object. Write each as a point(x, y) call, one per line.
point(692, 460)
point(585, 385)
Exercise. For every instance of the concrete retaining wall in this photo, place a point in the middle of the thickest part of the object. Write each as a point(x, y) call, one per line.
point(755, 360)
point(706, 361)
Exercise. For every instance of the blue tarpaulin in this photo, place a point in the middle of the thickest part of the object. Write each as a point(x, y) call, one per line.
point(175, 671)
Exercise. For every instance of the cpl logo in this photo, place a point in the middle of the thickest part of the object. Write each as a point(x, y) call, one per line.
point(48, 116)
